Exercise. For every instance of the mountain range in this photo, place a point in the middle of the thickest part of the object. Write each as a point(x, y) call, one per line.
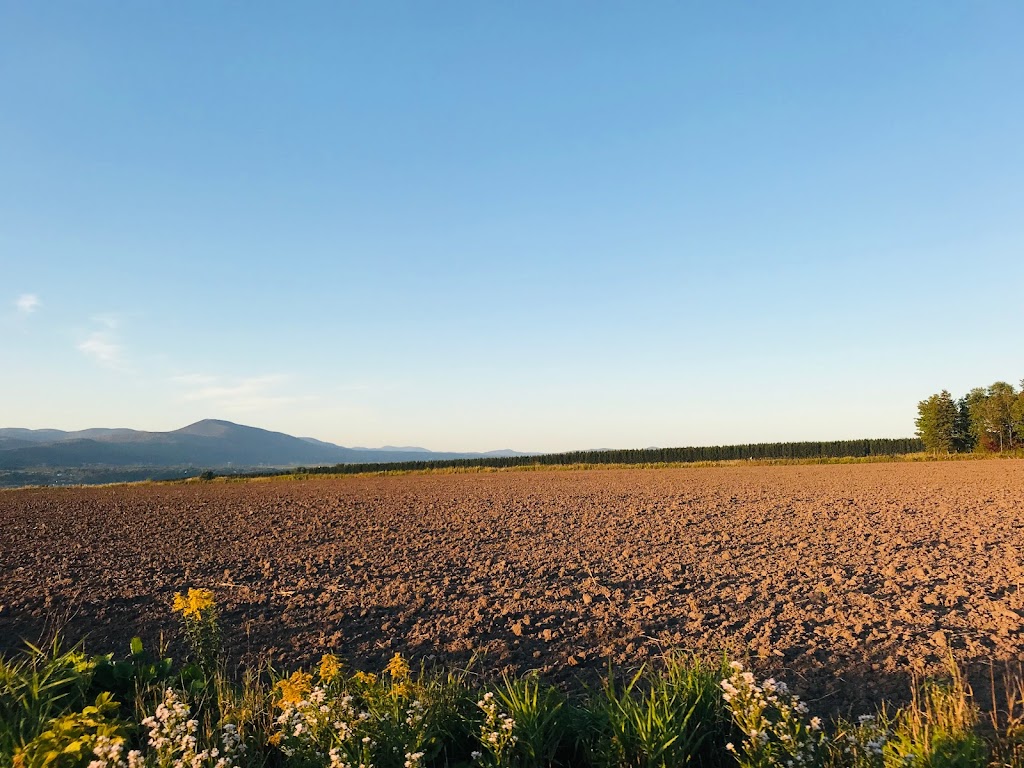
point(210, 443)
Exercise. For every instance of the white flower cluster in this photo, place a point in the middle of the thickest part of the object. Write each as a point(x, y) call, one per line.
point(414, 715)
point(231, 740)
point(170, 729)
point(297, 722)
point(303, 726)
point(108, 754)
point(866, 743)
point(172, 735)
point(345, 715)
point(497, 731)
point(771, 720)
point(301, 722)
point(338, 760)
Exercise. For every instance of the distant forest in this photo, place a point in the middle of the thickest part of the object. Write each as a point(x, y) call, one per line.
point(806, 450)
point(986, 419)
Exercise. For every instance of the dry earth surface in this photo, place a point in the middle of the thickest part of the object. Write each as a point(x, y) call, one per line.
point(840, 578)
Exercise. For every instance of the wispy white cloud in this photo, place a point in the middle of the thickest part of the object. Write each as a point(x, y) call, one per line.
point(237, 395)
point(103, 343)
point(27, 303)
point(103, 348)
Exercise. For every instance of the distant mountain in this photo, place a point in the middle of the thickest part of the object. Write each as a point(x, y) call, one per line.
point(55, 435)
point(209, 443)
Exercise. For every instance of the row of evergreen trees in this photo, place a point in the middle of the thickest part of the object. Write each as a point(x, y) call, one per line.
point(805, 450)
point(985, 419)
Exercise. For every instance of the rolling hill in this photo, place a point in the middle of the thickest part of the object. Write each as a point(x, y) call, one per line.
point(209, 443)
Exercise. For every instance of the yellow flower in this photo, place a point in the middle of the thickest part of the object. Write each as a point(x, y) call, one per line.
point(398, 667)
point(367, 678)
point(294, 689)
point(330, 666)
point(402, 689)
point(191, 607)
point(276, 739)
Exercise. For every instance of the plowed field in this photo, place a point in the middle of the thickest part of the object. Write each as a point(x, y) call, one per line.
point(841, 578)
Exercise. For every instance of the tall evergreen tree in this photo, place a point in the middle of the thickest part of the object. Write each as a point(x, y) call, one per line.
point(963, 437)
point(936, 423)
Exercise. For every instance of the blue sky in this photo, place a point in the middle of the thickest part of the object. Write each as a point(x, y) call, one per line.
point(541, 226)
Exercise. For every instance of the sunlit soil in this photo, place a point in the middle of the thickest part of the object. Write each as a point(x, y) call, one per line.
point(839, 578)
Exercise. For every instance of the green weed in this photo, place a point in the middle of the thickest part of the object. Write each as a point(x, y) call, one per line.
point(660, 720)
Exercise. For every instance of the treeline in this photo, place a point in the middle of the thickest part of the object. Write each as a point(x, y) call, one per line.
point(986, 419)
point(806, 450)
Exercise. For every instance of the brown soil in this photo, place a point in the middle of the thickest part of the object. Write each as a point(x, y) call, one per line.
point(840, 578)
